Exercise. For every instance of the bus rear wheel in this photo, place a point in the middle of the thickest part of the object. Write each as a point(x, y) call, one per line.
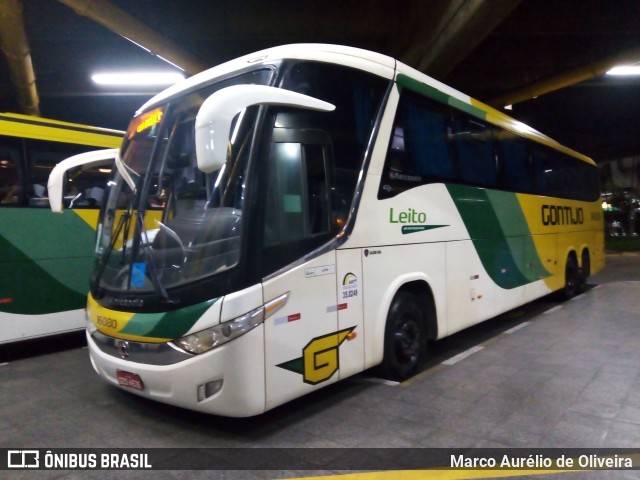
point(405, 337)
point(572, 278)
point(585, 270)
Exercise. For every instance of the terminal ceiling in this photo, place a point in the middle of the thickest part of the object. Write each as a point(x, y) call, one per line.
point(546, 57)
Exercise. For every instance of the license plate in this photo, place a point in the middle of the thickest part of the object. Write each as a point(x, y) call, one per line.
point(128, 379)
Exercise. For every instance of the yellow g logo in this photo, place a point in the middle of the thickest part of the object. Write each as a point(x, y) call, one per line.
point(320, 358)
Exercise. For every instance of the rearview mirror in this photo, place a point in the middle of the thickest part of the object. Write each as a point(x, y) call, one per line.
point(215, 117)
point(55, 184)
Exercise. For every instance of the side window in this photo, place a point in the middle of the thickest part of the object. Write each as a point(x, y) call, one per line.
point(357, 97)
point(434, 143)
point(473, 140)
point(300, 200)
point(420, 150)
point(538, 161)
point(41, 158)
point(583, 180)
point(298, 195)
point(563, 176)
point(310, 167)
point(515, 165)
point(589, 188)
point(10, 172)
point(85, 186)
point(555, 175)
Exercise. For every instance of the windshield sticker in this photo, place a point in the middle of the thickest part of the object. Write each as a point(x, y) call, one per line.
point(412, 221)
point(319, 271)
point(138, 271)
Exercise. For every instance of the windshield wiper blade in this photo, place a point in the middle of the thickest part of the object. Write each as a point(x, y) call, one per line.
point(124, 220)
point(153, 271)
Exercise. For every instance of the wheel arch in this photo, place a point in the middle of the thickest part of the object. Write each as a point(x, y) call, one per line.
point(563, 257)
point(422, 290)
point(572, 280)
point(585, 261)
point(416, 283)
point(570, 251)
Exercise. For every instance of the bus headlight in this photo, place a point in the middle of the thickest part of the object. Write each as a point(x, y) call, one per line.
point(213, 337)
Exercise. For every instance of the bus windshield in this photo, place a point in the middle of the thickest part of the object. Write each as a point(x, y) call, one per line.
point(168, 224)
point(179, 223)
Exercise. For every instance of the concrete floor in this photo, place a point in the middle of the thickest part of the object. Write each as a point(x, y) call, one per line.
point(552, 375)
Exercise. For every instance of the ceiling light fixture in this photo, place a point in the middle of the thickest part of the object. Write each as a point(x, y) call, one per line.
point(625, 70)
point(140, 79)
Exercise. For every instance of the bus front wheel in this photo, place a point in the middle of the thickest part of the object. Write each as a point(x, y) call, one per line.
point(405, 337)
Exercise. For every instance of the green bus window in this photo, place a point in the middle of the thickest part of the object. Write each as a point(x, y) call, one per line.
point(42, 157)
point(10, 178)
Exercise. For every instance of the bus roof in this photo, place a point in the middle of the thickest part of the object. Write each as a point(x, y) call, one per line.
point(38, 128)
point(378, 64)
point(375, 63)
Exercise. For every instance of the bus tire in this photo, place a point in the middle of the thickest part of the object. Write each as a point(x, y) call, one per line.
point(572, 278)
point(405, 337)
point(585, 270)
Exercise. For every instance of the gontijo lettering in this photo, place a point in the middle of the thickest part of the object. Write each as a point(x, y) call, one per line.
point(562, 215)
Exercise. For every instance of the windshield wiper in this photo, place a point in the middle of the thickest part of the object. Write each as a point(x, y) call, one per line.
point(153, 271)
point(123, 223)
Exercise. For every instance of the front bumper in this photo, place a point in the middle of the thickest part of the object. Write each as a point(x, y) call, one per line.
point(239, 364)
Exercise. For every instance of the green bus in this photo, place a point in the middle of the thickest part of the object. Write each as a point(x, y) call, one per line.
point(46, 259)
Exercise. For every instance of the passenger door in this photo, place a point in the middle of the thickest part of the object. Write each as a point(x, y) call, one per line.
point(302, 338)
point(301, 344)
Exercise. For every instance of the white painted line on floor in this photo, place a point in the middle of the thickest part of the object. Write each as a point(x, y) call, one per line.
point(381, 381)
point(516, 328)
point(578, 296)
point(551, 310)
point(463, 355)
point(3, 364)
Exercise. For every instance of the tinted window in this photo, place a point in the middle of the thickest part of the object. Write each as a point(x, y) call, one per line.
point(473, 140)
point(433, 142)
point(25, 183)
point(516, 164)
point(420, 150)
point(315, 159)
point(10, 172)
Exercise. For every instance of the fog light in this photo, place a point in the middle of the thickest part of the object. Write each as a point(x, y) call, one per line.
point(208, 389)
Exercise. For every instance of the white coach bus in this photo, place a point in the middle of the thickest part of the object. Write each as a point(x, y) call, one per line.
point(298, 215)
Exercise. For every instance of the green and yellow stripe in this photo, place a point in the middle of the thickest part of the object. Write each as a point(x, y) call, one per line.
point(146, 327)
